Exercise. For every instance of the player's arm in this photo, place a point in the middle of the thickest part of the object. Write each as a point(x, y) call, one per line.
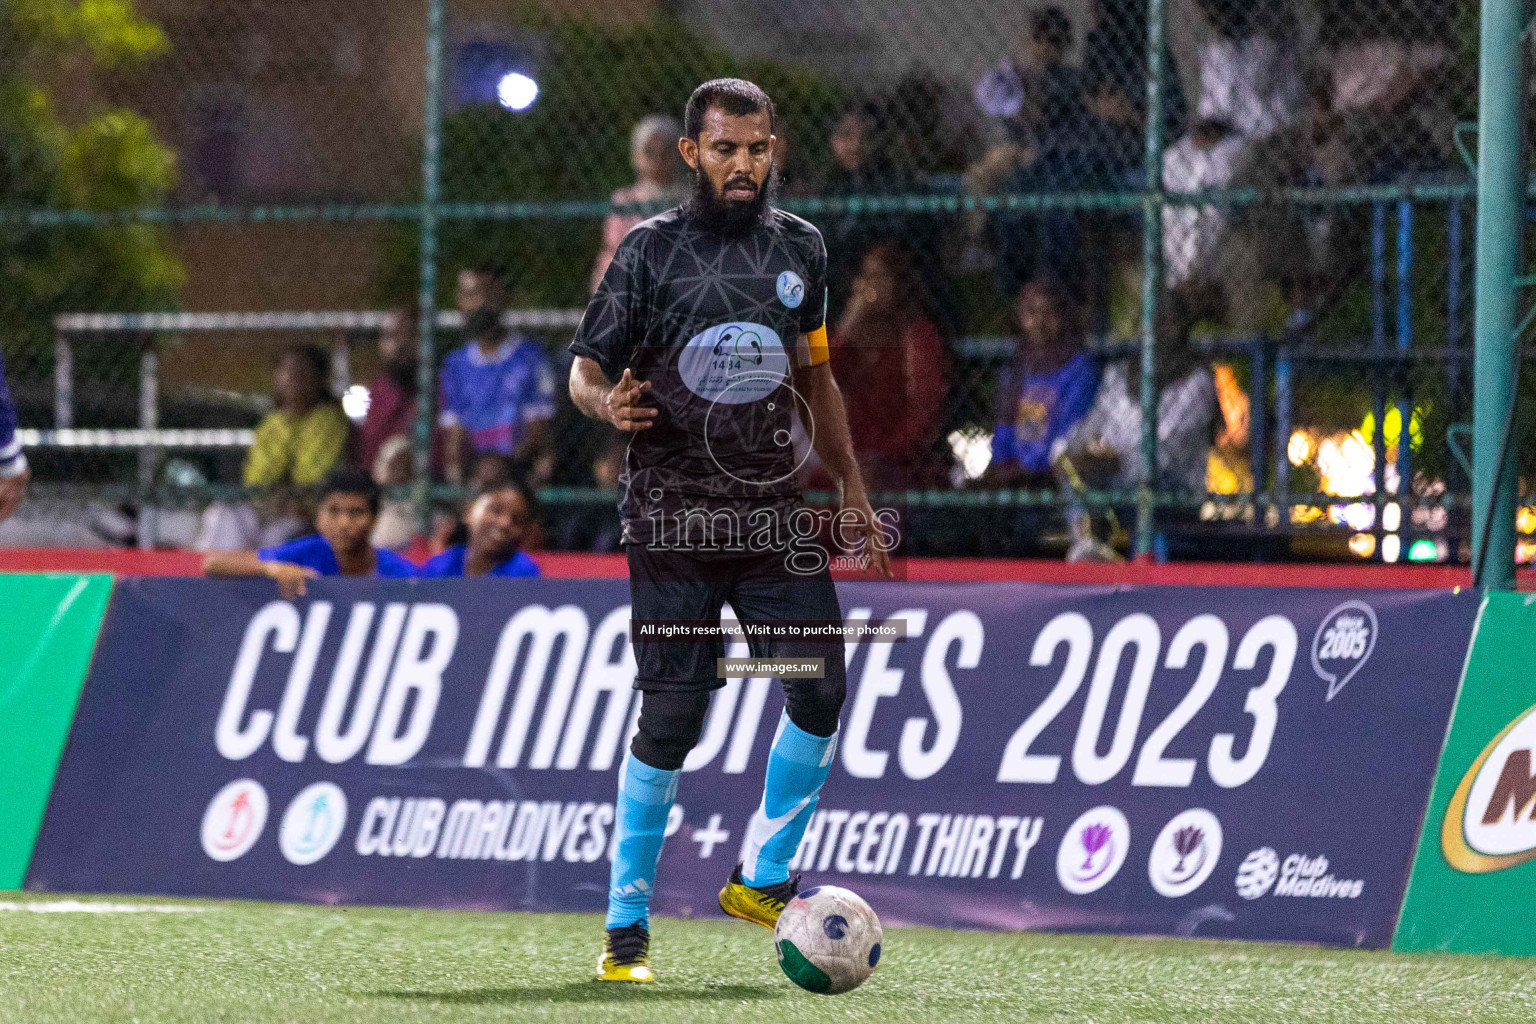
point(290, 578)
point(619, 404)
point(834, 444)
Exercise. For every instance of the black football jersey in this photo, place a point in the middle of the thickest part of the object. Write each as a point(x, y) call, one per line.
point(714, 324)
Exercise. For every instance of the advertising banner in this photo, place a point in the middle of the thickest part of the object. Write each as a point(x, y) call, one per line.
point(48, 627)
point(1473, 888)
point(1212, 761)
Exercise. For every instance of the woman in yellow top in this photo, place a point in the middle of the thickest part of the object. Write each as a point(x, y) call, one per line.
point(306, 435)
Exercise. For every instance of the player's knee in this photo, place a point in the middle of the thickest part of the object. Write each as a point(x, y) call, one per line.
point(671, 723)
point(814, 704)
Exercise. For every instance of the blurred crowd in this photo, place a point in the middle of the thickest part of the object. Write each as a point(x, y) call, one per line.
point(1357, 102)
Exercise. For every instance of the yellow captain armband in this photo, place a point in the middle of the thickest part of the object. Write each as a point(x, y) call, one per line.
point(817, 349)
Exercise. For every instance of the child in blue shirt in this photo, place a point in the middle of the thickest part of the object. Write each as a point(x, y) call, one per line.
point(1048, 388)
point(497, 520)
point(349, 507)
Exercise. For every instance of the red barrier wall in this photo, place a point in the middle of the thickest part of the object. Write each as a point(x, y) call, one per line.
point(128, 562)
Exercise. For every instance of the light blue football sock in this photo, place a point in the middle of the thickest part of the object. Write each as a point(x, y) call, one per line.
point(645, 798)
point(798, 764)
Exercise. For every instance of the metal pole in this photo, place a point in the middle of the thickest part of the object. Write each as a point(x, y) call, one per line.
point(63, 381)
point(1378, 386)
point(1404, 342)
point(426, 368)
point(1499, 229)
point(1283, 392)
point(149, 419)
point(1258, 450)
point(1151, 275)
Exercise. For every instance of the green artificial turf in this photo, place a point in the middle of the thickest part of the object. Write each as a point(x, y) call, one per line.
point(277, 963)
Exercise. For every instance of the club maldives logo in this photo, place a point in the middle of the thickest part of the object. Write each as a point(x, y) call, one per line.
point(791, 289)
point(312, 823)
point(1092, 850)
point(234, 820)
point(1185, 853)
point(1297, 875)
point(1257, 873)
point(1343, 644)
point(1490, 824)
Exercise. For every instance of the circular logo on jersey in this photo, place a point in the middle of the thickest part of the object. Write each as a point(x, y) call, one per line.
point(1092, 850)
point(734, 363)
point(1185, 853)
point(312, 823)
point(234, 820)
point(1257, 873)
point(791, 289)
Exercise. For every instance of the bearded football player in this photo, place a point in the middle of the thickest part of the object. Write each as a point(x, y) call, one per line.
point(704, 343)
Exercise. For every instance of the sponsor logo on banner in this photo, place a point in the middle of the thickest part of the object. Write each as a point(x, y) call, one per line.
point(1257, 873)
point(1490, 823)
point(1092, 851)
point(1185, 853)
point(312, 823)
point(1297, 875)
point(234, 820)
point(1343, 644)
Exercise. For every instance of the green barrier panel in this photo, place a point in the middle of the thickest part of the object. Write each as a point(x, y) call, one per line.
point(49, 630)
point(1473, 886)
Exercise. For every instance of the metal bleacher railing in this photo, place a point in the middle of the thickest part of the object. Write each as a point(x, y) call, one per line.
point(302, 180)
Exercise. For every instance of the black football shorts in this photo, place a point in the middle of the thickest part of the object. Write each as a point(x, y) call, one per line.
point(675, 586)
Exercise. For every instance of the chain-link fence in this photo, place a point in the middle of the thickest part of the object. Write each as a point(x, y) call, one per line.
point(983, 173)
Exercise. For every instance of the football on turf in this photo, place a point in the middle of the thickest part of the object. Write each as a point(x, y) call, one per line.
point(828, 940)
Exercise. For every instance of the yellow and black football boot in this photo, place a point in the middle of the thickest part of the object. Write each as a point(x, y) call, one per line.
point(625, 952)
point(759, 906)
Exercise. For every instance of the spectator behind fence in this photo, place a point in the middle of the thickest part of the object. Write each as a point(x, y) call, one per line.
point(349, 508)
point(1250, 77)
point(1039, 101)
point(295, 445)
point(1115, 89)
point(1204, 159)
point(1047, 388)
point(306, 434)
point(1104, 448)
point(497, 394)
point(498, 521)
point(653, 154)
point(392, 391)
point(860, 166)
point(392, 468)
point(1387, 75)
point(895, 369)
point(1048, 148)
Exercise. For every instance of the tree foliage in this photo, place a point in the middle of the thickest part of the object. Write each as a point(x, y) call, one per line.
point(103, 157)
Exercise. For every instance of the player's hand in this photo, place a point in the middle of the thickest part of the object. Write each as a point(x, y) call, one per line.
point(622, 405)
point(865, 524)
point(291, 579)
point(12, 491)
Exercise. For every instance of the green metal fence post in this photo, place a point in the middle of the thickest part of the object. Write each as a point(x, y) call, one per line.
point(426, 368)
point(1500, 215)
point(1151, 275)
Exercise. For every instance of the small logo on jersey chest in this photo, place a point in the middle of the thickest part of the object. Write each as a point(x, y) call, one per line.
point(791, 289)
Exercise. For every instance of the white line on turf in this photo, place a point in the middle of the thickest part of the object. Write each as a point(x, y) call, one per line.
point(77, 907)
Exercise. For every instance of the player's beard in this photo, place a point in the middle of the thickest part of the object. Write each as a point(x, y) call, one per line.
point(727, 217)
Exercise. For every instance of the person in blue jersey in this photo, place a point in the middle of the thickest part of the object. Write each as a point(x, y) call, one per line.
point(1049, 386)
point(14, 474)
point(349, 507)
point(498, 521)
